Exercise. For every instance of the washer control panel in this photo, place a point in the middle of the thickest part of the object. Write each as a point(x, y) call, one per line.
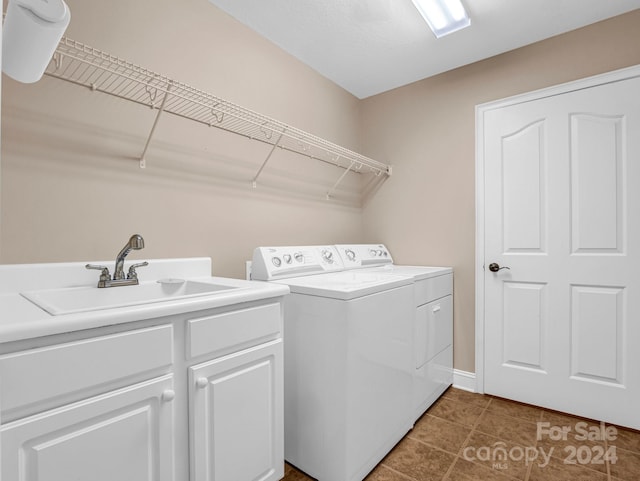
point(270, 263)
point(364, 255)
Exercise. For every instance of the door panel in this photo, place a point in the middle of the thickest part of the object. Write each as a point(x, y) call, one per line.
point(522, 168)
point(125, 435)
point(597, 184)
point(562, 211)
point(236, 410)
point(597, 324)
point(523, 324)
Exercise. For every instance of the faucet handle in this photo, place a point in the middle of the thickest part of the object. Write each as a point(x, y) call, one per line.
point(105, 276)
point(132, 269)
point(104, 269)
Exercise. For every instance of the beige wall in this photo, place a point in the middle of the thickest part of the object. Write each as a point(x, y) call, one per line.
point(425, 212)
point(72, 189)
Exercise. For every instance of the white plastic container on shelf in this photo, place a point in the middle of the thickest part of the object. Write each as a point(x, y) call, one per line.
point(31, 32)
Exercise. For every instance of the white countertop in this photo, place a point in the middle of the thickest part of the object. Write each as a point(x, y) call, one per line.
point(21, 319)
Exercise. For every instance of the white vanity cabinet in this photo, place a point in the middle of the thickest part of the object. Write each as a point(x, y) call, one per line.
point(196, 396)
point(99, 408)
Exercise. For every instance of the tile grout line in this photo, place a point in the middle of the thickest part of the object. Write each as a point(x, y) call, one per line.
point(475, 430)
point(607, 473)
point(536, 442)
point(527, 476)
point(438, 448)
point(467, 439)
point(400, 473)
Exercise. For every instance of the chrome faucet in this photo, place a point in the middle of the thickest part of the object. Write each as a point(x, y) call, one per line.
point(136, 242)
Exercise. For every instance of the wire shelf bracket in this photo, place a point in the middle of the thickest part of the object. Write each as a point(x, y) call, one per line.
point(254, 182)
point(332, 190)
point(143, 159)
point(99, 71)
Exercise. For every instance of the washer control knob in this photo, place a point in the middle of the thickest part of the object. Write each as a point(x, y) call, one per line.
point(327, 255)
point(276, 261)
point(287, 258)
point(372, 252)
point(298, 257)
point(350, 255)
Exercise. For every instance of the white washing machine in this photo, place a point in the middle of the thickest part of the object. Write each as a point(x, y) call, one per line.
point(348, 351)
point(433, 328)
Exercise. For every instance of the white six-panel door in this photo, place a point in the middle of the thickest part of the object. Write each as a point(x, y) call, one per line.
point(562, 212)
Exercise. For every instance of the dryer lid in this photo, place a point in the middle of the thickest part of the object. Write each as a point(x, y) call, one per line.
point(417, 272)
point(346, 285)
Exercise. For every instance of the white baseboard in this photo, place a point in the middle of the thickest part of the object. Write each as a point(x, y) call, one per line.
point(464, 380)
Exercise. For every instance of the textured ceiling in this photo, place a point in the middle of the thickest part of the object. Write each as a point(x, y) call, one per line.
point(371, 46)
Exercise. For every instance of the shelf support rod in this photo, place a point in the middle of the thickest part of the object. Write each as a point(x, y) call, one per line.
point(143, 161)
point(344, 174)
point(254, 182)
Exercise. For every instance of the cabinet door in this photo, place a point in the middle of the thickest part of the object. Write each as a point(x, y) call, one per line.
point(434, 329)
point(124, 435)
point(236, 416)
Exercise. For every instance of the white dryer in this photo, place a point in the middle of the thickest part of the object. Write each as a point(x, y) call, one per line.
point(348, 350)
point(433, 328)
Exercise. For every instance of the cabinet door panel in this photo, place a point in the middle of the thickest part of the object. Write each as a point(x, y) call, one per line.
point(434, 329)
point(32, 380)
point(125, 435)
point(439, 326)
point(236, 416)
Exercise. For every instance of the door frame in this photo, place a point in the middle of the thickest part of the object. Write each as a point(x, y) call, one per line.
point(480, 111)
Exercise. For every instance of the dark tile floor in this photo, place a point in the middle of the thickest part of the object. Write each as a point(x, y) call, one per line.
point(468, 437)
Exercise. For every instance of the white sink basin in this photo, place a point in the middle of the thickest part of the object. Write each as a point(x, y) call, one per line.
point(81, 299)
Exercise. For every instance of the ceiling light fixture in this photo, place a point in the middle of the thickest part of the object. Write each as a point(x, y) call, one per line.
point(443, 16)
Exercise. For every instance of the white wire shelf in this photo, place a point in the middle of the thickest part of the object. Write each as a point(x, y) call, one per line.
point(86, 66)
